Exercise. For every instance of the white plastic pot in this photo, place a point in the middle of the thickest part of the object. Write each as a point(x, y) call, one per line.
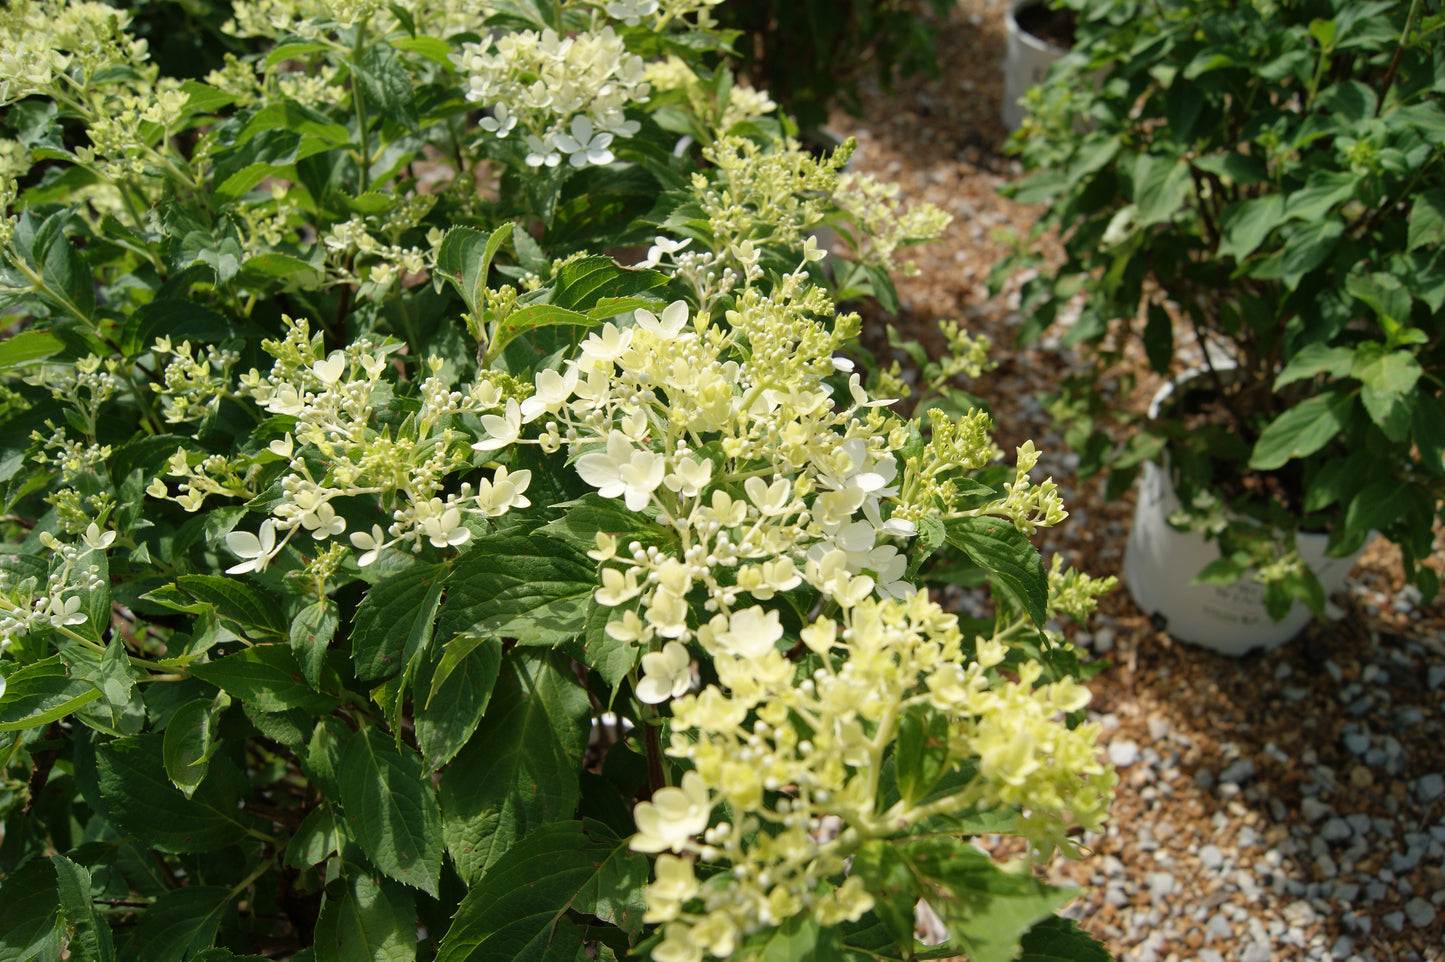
point(1027, 60)
point(1160, 564)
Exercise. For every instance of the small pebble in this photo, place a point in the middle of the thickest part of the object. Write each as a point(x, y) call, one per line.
point(1420, 913)
point(1256, 952)
point(1343, 947)
point(1430, 787)
point(1123, 753)
point(1313, 809)
point(1336, 830)
point(1357, 742)
point(1104, 640)
point(1435, 677)
point(1395, 921)
point(1211, 857)
point(1238, 772)
point(1161, 884)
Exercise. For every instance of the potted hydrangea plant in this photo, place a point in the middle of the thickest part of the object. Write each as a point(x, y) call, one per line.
point(388, 572)
point(1255, 195)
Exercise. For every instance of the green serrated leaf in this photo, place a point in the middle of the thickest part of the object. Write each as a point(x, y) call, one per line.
point(519, 771)
point(90, 937)
point(530, 318)
point(235, 601)
point(181, 923)
point(39, 694)
point(1427, 219)
point(69, 279)
point(391, 810)
point(32, 923)
point(291, 51)
point(465, 257)
point(1302, 430)
point(311, 632)
point(528, 588)
point(266, 678)
point(395, 616)
point(27, 346)
point(1056, 939)
point(1314, 360)
point(141, 800)
point(314, 840)
point(920, 752)
point(998, 547)
point(456, 696)
point(1245, 224)
point(517, 916)
point(190, 739)
point(365, 919)
point(387, 84)
point(986, 909)
point(1388, 381)
point(583, 284)
point(435, 49)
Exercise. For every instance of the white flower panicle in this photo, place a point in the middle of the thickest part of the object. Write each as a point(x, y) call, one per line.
point(568, 95)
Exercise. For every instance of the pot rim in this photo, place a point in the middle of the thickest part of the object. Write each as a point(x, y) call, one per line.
point(1026, 38)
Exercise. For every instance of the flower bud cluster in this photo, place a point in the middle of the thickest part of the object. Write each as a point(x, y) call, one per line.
point(43, 40)
point(794, 752)
point(192, 386)
point(884, 223)
point(26, 605)
point(566, 94)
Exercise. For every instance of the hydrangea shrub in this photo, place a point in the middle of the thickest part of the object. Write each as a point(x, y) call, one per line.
point(446, 516)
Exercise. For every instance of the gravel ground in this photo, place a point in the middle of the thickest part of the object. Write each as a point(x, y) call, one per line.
point(1286, 805)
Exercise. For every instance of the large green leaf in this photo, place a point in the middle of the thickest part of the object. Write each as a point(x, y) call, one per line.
point(986, 909)
point(386, 84)
point(519, 770)
point(237, 602)
point(265, 677)
point(1245, 224)
point(181, 923)
point(1302, 430)
point(32, 924)
point(311, 632)
point(1061, 940)
point(1388, 379)
point(90, 938)
point(190, 740)
point(140, 799)
point(1427, 219)
point(394, 621)
point(465, 256)
point(583, 283)
point(68, 278)
point(28, 346)
point(530, 318)
point(456, 695)
point(1314, 360)
point(532, 589)
point(517, 915)
point(997, 546)
point(41, 693)
point(365, 919)
point(391, 810)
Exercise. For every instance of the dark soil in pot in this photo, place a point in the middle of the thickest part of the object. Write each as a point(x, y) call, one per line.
point(1054, 26)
